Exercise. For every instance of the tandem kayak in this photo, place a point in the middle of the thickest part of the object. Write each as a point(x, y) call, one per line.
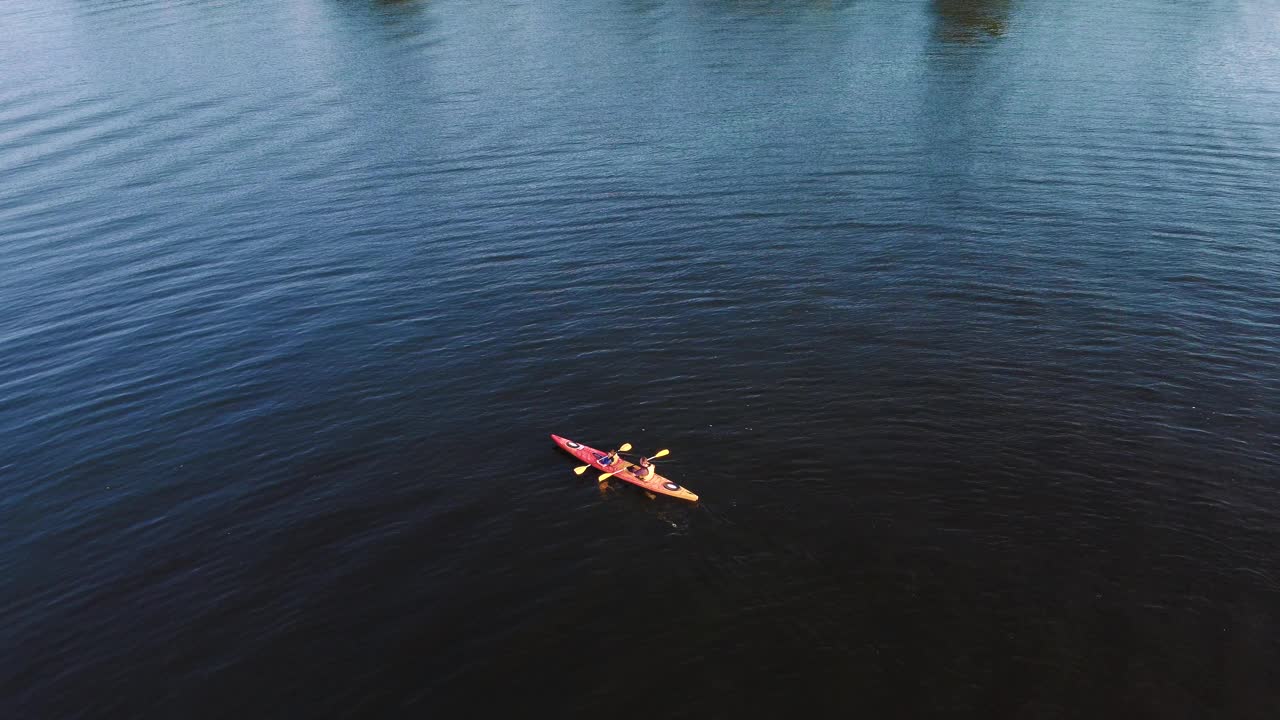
point(620, 470)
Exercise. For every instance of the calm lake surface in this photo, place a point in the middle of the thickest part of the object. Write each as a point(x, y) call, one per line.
point(962, 316)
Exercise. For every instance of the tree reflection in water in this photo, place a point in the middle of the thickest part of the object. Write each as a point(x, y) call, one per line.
point(971, 21)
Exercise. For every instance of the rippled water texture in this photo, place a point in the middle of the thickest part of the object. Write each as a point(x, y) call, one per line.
point(961, 316)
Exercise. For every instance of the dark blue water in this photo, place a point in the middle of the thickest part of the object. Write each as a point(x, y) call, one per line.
point(962, 316)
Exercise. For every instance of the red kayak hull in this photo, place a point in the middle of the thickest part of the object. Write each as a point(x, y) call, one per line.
point(591, 456)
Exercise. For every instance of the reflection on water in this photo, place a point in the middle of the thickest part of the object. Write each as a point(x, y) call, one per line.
point(790, 10)
point(971, 21)
point(677, 515)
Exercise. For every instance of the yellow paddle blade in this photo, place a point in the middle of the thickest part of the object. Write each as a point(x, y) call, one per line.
point(605, 476)
point(625, 447)
point(660, 453)
point(581, 469)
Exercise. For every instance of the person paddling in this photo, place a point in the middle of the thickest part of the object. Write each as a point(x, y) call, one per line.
point(643, 469)
point(612, 457)
point(646, 469)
